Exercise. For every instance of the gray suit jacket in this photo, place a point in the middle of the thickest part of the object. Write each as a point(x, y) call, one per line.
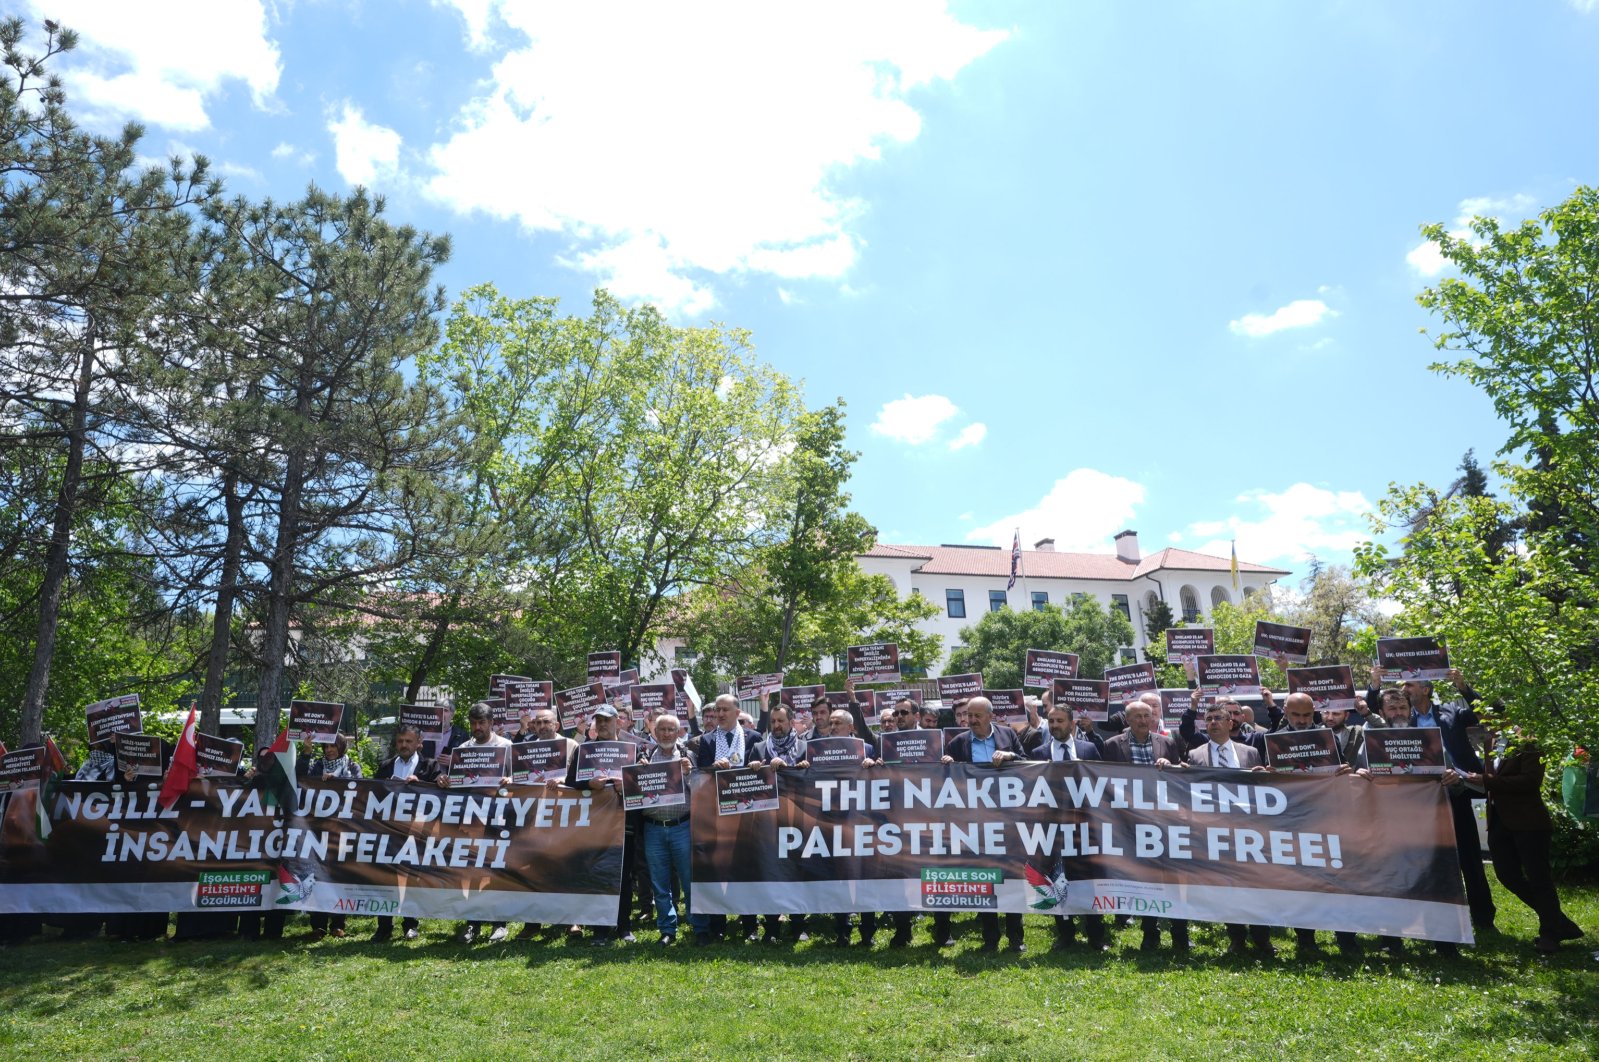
point(1199, 756)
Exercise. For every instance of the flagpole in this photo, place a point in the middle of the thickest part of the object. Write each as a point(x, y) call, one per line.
point(1021, 569)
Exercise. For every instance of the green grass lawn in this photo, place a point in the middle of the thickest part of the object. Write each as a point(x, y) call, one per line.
point(554, 999)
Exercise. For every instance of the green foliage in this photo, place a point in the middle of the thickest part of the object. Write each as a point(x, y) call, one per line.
point(1519, 616)
point(997, 644)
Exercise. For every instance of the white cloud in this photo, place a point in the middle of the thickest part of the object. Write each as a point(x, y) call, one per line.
point(713, 135)
point(1289, 526)
point(476, 14)
point(914, 420)
point(135, 62)
point(1301, 313)
point(363, 151)
point(1585, 6)
point(1081, 512)
point(1428, 261)
point(970, 435)
point(284, 150)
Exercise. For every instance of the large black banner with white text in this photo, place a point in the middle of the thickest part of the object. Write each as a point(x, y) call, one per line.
point(1315, 851)
point(540, 853)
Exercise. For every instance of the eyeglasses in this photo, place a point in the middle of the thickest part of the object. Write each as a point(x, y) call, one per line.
point(903, 711)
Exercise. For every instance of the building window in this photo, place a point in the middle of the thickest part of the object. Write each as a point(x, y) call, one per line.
point(682, 654)
point(1040, 600)
point(1078, 599)
point(996, 600)
point(1190, 603)
point(955, 602)
point(1120, 603)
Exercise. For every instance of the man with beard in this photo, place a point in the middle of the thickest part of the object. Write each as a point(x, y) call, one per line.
point(408, 767)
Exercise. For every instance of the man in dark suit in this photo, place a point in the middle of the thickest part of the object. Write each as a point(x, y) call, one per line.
point(1220, 750)
point(1140, 744)
point(1455, 720)
point(1059, 743)
point(1519, 832)
point(983, 742)
point(408, 767)
point(724, 744)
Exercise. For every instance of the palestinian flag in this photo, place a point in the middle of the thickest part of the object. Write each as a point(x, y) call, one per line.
point(277, 771)
point(185, 766)
point(55, 765)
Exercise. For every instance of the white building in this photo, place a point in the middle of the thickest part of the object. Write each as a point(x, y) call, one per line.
point(966, 581)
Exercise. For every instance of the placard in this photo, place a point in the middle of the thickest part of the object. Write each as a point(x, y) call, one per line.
point(1173, 703)
point(429, 719)
point(118, 715)
point(686, 696)
point(506, 720)
point(742, 790)
point(867, 699)
point(479, 766)
point(1044, 666)
point(801, 704)
point(1273, 640)
point(1085, 697)
point(1229, 675)
point(533, 762)
point(891, 698)
point(762, 686)
point(139, 753)
point(656, 698)
point(606, 667)
point(1313, 751)
point(217, 757)
point(603, 759)
point(318, 722)
point(1416, 659)
point(913, 746)
point(835, 752)
point(1404, 750)
point(1184, 645)
point(526, 696)
point(878, 662)
point(1330, 687)
point(577, 705)
point(24, 768)
point(497, 683)
point(654, 785)
point(1010, 707)
point(1127, 682)
point(952, 688)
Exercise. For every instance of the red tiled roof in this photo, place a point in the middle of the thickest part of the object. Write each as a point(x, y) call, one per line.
point(1045, 564)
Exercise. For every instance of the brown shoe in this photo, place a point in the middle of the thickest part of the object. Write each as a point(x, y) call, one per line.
point(338, 934)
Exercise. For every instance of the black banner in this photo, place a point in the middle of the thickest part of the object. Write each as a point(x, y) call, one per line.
point(1338, 852)
point(366, 847)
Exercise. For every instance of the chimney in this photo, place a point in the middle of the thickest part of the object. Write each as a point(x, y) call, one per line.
point(1127, 547)
point(1045, 545)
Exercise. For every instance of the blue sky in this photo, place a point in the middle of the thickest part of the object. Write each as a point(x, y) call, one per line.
point(1074, 266)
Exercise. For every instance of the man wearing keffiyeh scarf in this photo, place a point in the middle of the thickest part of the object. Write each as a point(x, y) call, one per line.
point(101, 766)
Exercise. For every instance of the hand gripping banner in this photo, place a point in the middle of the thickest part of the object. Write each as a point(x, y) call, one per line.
point(1312, 851)
point(540, 853)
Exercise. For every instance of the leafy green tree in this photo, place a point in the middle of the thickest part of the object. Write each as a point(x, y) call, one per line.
point(1522, 315)
point(1343, 617)
point(90, 252)
point(997, 644)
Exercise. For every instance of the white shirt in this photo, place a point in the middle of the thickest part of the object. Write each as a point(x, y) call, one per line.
point(1062, 750)
point(494, 739)
point(406, 768)
point(1223, 755)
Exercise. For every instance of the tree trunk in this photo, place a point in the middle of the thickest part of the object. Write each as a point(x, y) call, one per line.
point(280, 594)
point(221, 626)
point(55, 565)
point(430, 651)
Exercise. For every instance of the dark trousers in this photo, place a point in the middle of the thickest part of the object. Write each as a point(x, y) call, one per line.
point(321, 921)
point(1478, 896)
point(868, 927)
point(1240, 935)
point(716, 925)
point(1306, 938)
point(941, 927)
point(1179, 931)
point(902, 925)
point(1093, 927)
point(263, 924)
point(1521, 863)
point(386, 924)
point(989, 924)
